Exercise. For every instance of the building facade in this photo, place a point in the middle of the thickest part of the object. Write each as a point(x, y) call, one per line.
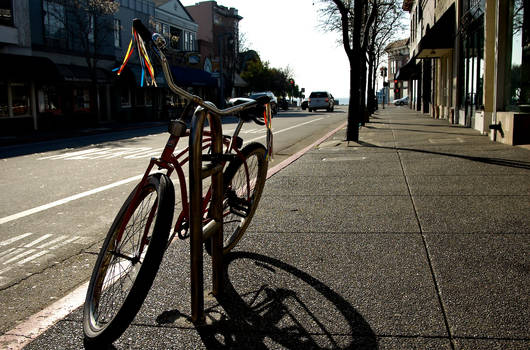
point(218, 37)
point(469, 63)
point(398, 55)
point(58, 60)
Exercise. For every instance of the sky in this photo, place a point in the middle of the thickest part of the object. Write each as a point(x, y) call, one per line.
point(286, 33)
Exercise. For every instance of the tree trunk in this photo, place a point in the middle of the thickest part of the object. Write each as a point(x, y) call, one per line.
point(352, 132)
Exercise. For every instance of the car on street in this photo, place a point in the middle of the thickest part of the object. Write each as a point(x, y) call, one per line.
point(304, 103)
point(274, 100)
point(401, 101)
point(320, 100)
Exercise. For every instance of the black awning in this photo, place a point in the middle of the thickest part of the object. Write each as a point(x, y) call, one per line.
point(28, 68)
point(186, 76)
point(439, 40)
point(410, 70)
point(72, 73)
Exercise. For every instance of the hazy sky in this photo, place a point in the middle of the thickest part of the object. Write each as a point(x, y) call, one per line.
point(286, 33)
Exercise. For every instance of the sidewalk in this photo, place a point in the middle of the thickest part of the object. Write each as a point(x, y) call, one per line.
point(417, 237)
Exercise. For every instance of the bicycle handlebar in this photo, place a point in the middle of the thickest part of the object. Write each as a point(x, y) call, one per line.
point(158, 41)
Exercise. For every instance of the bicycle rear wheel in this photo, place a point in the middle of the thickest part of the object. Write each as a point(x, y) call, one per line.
point(242, 193)
point(128, 261)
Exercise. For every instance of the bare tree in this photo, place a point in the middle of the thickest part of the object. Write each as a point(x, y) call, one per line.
point(88, 27)
point(353, 18)
point(388, 26)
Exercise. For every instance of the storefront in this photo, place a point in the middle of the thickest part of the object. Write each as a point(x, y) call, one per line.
point(471, 62)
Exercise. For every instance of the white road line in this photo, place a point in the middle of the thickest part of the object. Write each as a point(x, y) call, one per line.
point(58, 239)
point(72, 154)
point(6, 252)
point(64, 242)
point(14, 239)
point(19, 256)
point(38, 240)
point(283, 130)
point(67, 199)
point(33, 257)
point(103, 188)
point(7, 269)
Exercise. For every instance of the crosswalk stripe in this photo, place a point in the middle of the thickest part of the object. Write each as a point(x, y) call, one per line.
point(19, 256)
point(14, 239)
point(53, 241)
point(38, 240)
point(32, 257)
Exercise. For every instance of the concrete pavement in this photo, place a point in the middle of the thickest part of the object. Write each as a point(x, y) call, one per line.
point(417, 237)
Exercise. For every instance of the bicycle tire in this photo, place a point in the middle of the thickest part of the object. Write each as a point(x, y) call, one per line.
point(236, 220)
point(121, 280)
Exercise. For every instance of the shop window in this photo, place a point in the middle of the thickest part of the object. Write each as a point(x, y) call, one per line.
point(49, 100)
point(518, 57)
point(125, 97)
point(6, 13)
point(4, 103)
point(20, 93)
point(140, 97)
point(81, 100)
point(149, 97)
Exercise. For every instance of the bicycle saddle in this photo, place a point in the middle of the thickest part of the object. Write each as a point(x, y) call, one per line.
point(255, 112)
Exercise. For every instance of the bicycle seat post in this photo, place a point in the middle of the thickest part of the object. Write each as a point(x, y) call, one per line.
point(196, 173)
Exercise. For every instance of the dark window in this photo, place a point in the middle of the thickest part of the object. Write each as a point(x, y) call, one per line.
point(6, 12)
point(517, 95)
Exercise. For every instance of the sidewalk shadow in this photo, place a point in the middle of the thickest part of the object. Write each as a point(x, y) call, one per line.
point(487, 160)
point(279, 316)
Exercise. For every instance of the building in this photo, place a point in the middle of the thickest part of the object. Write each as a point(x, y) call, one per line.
point(58, 60)
point(470, 63)
point(398, 56)
point(218, 37)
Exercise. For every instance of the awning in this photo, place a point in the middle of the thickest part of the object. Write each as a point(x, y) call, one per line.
point(438, 41)
point(71, 73)
point(185, 76)
point(410, 70)
point(136, 71)
point(28, 68)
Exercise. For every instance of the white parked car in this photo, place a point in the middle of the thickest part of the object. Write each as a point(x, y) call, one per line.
point(320, 100)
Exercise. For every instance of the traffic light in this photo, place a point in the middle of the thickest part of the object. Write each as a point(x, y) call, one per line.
point(396, 90)
point(291, 82)
point(395, 81)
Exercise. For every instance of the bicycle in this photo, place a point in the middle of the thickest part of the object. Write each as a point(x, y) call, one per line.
point(137, 239)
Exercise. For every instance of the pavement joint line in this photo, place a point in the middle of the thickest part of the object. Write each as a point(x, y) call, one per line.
point(426, 248)
point(38, 323)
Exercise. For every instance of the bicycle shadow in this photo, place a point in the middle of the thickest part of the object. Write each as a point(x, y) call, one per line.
point(270, 316)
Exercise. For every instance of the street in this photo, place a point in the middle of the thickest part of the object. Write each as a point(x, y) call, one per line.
point(58, 204)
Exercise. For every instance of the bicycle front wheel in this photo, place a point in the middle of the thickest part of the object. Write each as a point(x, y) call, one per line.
point(128, 261)
point(243, 184)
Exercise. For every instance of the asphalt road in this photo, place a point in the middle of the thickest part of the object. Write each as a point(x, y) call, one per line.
point(59, 198)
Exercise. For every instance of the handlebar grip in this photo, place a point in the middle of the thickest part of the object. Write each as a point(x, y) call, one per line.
point(142, 30)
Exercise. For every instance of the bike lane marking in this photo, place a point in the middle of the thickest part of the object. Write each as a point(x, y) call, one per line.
point(66, 200)
point(112, 185)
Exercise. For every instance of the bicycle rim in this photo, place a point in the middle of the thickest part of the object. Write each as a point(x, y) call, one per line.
point(245, 192)
point(122, 257)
